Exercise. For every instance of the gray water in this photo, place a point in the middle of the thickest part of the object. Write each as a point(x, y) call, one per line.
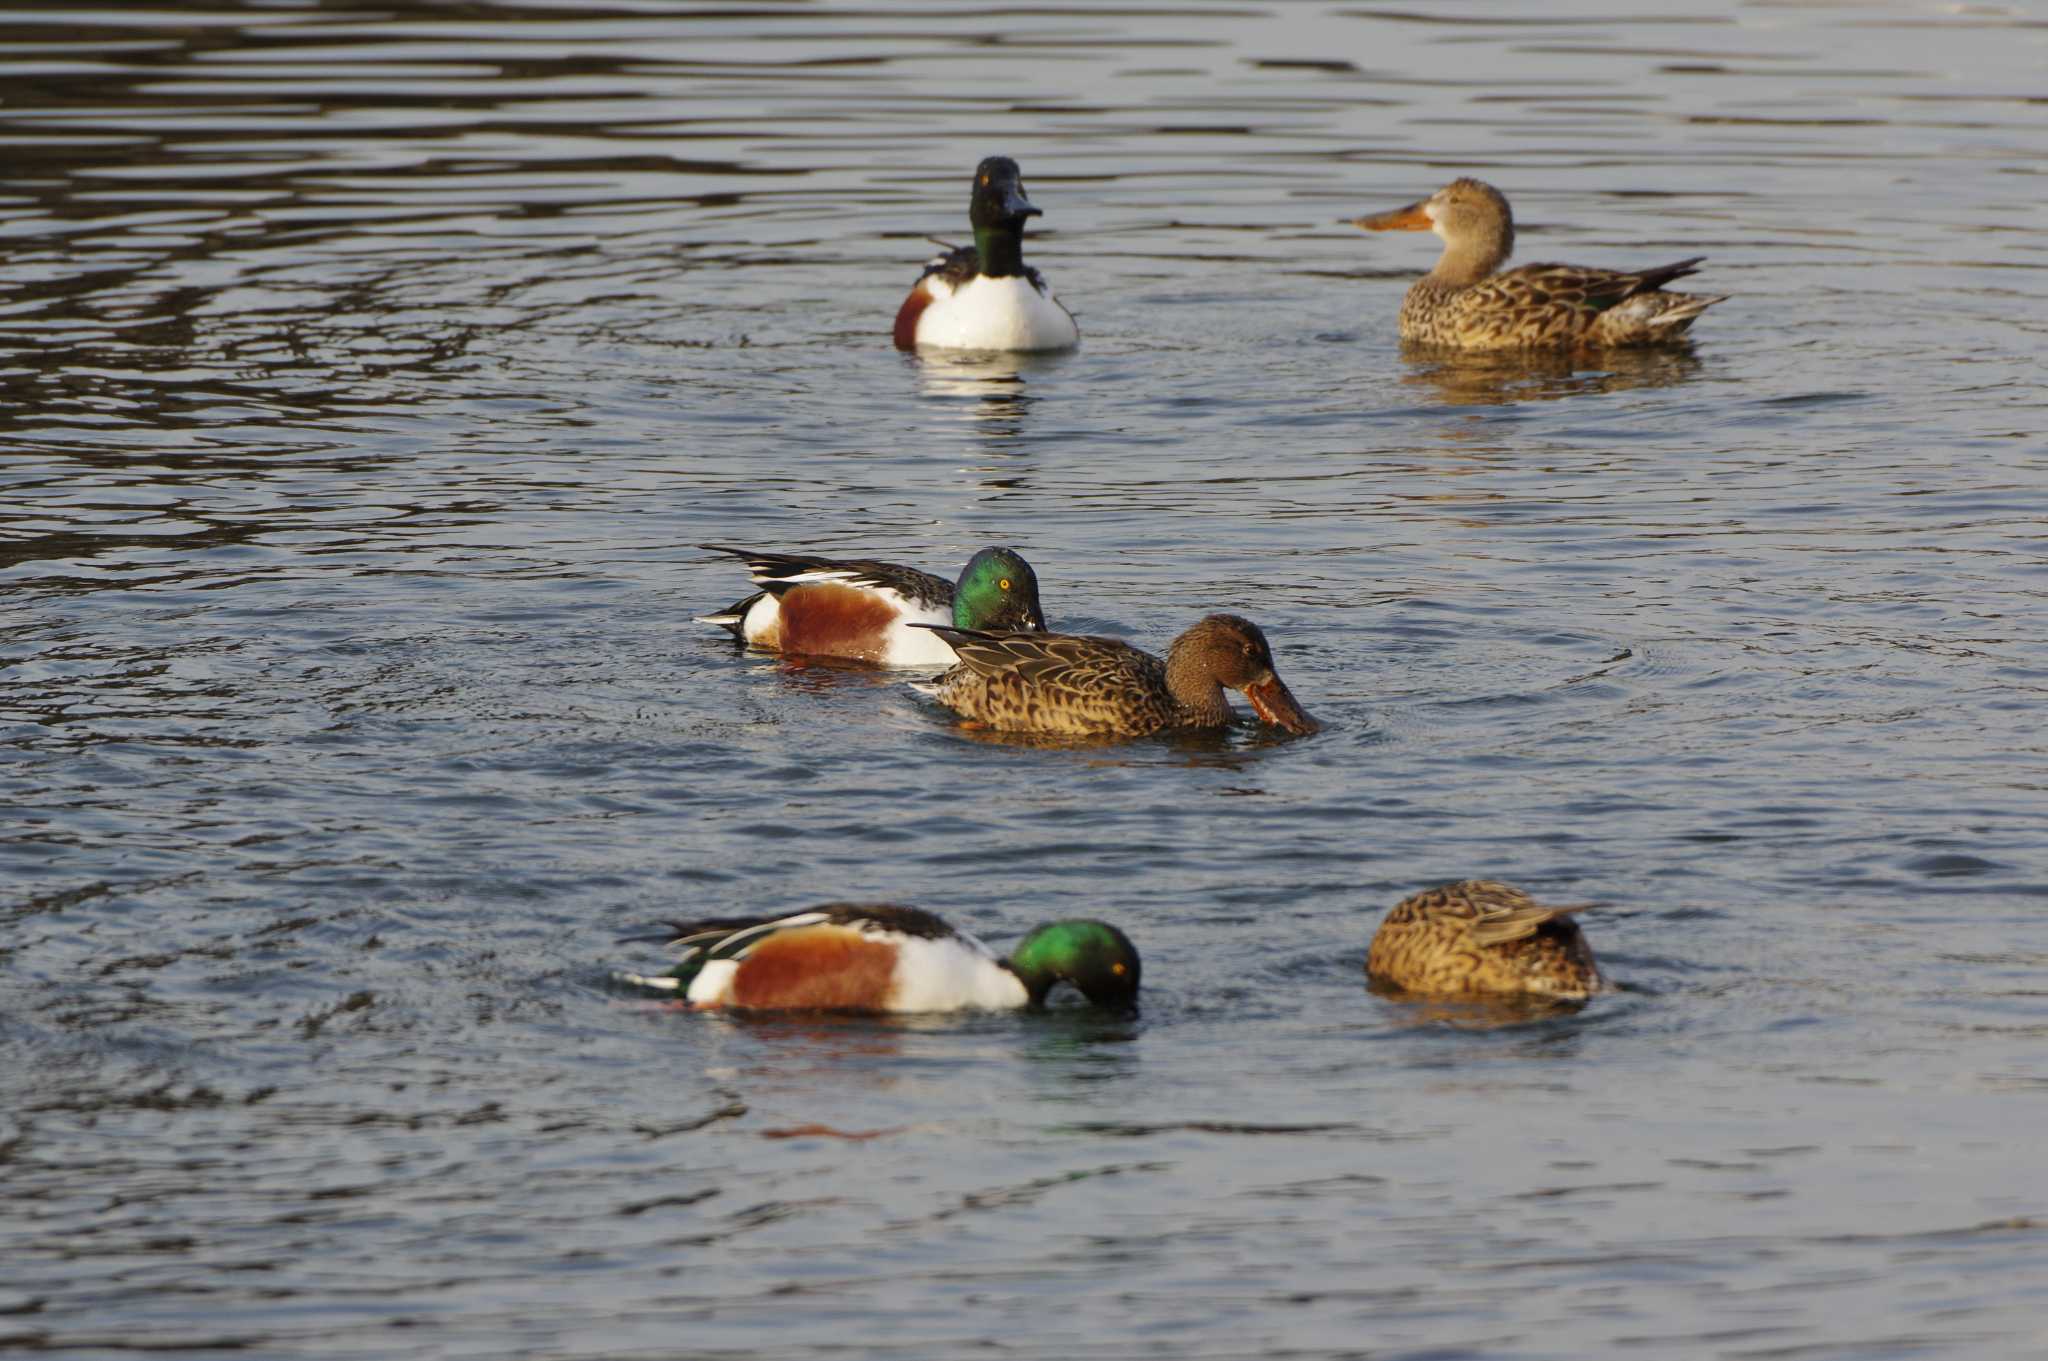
point(370, 372)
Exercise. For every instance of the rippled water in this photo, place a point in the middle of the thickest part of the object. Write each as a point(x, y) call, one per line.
point(367, 375)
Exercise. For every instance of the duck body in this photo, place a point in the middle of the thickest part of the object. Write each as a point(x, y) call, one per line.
point(1468, 302)
point(864, 610)
point(1479, 937)
point(983, 296)
point(1076, 685)
point(956, 307)
point(887, 959)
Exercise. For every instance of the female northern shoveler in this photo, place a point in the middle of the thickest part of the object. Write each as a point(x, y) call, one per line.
point(1479, 936)
point(1462, 303)
point(984, 297)
point(1074, 686)
point(821, 607)
point(842, 957)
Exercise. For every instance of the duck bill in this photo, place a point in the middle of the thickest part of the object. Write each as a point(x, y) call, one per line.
point(1413, 218)
point(1016, 205)
point(1275, 703)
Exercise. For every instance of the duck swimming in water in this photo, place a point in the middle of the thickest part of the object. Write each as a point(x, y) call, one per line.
point(1465, 304)
point(1481, 937)
point(864, 610)
point(983, 296)
point(850, 957)
point(1070, 685)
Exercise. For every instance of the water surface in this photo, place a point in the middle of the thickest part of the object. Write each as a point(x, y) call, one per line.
point(370, 373)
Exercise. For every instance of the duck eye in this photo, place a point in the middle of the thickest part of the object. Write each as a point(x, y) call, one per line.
point(1004, 584)
point(1117, 968)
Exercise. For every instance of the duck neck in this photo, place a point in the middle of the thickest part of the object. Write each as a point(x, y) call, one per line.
point(1468, 259)
point(1001, 249)
point(1195, 688)
point(1037, 984)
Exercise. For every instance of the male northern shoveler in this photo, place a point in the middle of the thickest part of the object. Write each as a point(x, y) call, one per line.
point(1482, 937)
point(845, 957)
point(983, 296)
point(822, 607)
point(1069, 685)
point(1463, 304)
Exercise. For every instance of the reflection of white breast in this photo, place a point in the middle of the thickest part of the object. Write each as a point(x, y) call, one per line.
point(995, 314)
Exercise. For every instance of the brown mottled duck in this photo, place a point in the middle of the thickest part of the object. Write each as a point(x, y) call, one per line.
point(1468, 303)
point(1482, 938)
point(1070, 685)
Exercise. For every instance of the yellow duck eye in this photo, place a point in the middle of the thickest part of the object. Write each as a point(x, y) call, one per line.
point(1004, 584)
point(1117, 969)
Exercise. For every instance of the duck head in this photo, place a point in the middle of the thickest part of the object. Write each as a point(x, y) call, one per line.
point(1094, 956)
point(998, 211)
point(1470, 215)
point(998, 591)
point(1225, 649)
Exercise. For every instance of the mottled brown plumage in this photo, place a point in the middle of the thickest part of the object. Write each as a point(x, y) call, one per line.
point(1482, 937)
point(1465, 304)
point(1072, 685)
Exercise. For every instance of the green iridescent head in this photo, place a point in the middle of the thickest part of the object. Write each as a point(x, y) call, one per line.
point(998, 211)
point(998, 591)
point(1094, 956)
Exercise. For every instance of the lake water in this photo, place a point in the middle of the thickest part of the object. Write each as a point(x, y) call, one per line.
point(368, 375)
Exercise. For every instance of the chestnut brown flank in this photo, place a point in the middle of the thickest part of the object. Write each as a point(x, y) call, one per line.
point(835, 621)
point(826, 968)
point(907, 315)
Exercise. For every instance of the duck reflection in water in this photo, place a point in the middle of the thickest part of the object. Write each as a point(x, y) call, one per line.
point(989, 391)
point(1499, 379)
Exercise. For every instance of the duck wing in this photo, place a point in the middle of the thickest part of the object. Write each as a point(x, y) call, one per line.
point(779, 572)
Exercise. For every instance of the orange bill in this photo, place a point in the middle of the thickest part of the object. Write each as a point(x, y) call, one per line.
point(1409, 219)
point(1276, 704)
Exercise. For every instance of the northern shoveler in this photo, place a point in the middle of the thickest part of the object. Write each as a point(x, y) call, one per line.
point(1463, 303)
point(1069, 685)
point(825, 607)
point(983, 296)
point(846, 957)
point(1482, 937)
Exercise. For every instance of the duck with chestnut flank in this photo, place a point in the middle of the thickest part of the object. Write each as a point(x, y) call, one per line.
point(983, 296)
point(1464, 303)
point(1070, 685)
point(850, 957)
point(863, 610)
point(1480, 937)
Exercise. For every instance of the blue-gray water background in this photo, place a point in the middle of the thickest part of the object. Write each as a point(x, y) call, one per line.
point(367, 374)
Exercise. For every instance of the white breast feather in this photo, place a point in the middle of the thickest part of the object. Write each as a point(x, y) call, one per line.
point(995, 314)
point(951, 975)
point(919, 647)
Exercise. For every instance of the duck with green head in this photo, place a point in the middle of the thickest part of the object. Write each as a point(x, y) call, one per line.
point(983, 296)
point(863, 610)
point(879, 958)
